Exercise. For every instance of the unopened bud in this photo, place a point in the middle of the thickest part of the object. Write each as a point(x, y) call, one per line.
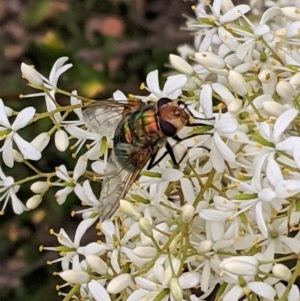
point(39, 187)
point(238, 83)
point(77, 277)
point(129, 209)
point(119, 283)
point(291, 12)
point(240, 265)
point(97, 264)
point(285, 90)
point(180, 64)
point(34, 201)
point(30, 74)
point(209, 60)
point(187, 214)
point(281, 271)
point(61, 140)
point(146, 227)
point(175, 289)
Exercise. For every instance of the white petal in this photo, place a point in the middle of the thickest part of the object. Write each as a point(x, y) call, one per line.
point(23, 118)
point(261, 220)
point(283, 122)
point(3, 117)
point(224, 150)
point(27, 149)
point(173, 84)
point(81, 230)
point(17, 205)
point(58, 69)
point(80, 167)
point(273, 171)
point(262, 289)
point(171, 175)
point(206, 100)
point(233, 294)
point(189, 280)
point(98, 291)
point(234, 13)
point(153, 84)
point(41, 141)
point(7, 152)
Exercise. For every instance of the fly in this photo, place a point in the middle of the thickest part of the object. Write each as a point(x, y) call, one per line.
point(139, 131)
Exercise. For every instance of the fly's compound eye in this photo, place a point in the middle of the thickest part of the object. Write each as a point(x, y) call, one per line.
point(167, 128)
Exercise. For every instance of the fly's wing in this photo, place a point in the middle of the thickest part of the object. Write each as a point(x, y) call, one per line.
point(104, 116)
point(116, 186)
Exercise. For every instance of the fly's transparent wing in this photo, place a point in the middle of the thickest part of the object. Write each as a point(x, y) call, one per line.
point(103, 119)
point(124, 173)
point(104, 116)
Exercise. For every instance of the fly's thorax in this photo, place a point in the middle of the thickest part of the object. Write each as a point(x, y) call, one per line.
point(171, 117)
point(140, 128)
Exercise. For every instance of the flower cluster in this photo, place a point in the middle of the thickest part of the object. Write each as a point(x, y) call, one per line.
point(224, 223)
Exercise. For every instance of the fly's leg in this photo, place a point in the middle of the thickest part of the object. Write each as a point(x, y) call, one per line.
point(169, 150)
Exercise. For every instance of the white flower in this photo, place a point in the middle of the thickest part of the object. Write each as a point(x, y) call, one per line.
point(171, 89)
point(69, 182)
point(27, 149)
point(8, 191)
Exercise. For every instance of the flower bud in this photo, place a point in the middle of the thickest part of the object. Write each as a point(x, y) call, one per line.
point(145, 227)
point(41, 141)
point(39, 187)
point(61, 140)
point(204, 246)
point(96, 264)
point(269, 80)
point(238, 83)
point(209, 60)
point(180, 64)
point(145, 251)
point(291, 12)
point(273, 108)
point(129, 209)
point(34, 201)
point(281, 271)
point(235, 106)
point(285, 90)
point(30, 74)
point(77, 277)
point(175, 289)
point(119, 283)
point(240, 265)
point(187, 214)
point(18, 157)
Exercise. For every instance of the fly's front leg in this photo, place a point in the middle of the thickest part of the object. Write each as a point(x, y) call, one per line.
point(169, 151)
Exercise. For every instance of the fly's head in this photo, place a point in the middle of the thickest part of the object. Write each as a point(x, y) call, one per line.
point(171, 117)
